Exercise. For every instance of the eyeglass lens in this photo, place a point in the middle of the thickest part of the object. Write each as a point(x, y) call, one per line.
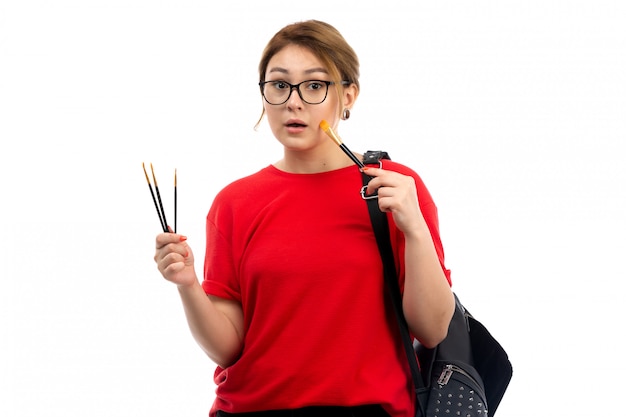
point(311, 91)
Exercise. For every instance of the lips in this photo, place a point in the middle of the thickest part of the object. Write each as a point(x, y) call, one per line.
point(294, 123)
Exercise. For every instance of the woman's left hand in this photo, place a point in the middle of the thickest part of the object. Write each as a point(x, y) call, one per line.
point(429, 317)
point(396, 194)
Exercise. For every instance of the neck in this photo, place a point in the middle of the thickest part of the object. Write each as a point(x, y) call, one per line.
point(311, 163)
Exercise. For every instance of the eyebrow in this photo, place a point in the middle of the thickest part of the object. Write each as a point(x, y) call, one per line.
point(309, 71)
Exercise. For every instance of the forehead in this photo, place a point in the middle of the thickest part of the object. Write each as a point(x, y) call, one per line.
point(295, 60)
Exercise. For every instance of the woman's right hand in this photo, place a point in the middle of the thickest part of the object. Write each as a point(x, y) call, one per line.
point(174, 259)
point(215, 323)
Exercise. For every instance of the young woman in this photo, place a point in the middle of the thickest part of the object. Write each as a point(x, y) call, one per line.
point(292, 305)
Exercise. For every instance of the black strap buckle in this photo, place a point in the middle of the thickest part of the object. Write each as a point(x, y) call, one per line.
point(370, 158)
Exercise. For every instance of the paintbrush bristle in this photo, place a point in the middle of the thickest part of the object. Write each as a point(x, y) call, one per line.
point(326, 128)
point(145, 172)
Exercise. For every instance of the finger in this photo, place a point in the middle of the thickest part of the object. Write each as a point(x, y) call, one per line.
point(164, 239)
point(172, 258)
point(180, 249)
point(373, 172)
point(383, 184)
point(386, 191)
point(171, 262)
point(373, 184)
point(170, 270)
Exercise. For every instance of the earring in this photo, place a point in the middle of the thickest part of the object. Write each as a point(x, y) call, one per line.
point(346, 114)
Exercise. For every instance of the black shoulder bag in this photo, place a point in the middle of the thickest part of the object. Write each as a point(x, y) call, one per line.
point(469, 371)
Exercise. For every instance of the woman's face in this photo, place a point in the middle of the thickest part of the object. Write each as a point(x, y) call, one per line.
point(295, 123)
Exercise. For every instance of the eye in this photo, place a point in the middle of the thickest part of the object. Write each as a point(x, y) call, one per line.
point(279, 85)
point(314, 85)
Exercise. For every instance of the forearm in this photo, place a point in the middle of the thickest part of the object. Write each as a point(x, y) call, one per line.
point(211, 327)
point(428, 302)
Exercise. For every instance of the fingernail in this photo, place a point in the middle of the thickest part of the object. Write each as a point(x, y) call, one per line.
point(183, 238)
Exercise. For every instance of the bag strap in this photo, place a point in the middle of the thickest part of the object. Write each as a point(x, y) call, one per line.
point(381, 230)
point(492, 362)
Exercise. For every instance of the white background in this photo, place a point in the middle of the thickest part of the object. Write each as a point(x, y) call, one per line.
point(513, 112)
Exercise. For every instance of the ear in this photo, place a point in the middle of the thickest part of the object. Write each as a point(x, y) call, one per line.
point(350, 94)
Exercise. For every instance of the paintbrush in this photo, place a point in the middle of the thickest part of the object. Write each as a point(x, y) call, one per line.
point(159, 211)
point(329, 131)
point(156, 187)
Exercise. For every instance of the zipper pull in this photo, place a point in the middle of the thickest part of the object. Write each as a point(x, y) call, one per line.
point(445, 375)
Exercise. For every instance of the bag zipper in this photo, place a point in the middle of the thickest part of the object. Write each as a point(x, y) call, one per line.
point(447, 372)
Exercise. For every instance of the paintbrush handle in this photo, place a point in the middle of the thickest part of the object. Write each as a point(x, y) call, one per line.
point(156, 205)
point(351, 155)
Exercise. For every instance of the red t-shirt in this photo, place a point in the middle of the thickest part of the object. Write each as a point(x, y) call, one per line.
point(298, 252)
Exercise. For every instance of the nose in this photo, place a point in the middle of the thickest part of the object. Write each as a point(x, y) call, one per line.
point(294, 100)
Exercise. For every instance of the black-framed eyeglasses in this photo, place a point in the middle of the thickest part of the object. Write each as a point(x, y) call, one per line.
point(310, 91)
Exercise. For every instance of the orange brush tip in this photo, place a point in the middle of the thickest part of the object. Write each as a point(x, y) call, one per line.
point(326, 128)
point(145, 172)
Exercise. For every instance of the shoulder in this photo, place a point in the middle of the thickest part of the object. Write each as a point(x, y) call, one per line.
point(242, 187)
point(404, 170)
point(241, 193)
point(398, 167)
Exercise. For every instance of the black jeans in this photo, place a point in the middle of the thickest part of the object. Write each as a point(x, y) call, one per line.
point(358, 411)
